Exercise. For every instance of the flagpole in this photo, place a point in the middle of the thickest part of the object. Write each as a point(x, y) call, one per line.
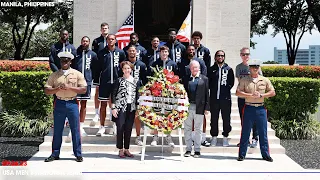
point(133, 14)
point(191, 9)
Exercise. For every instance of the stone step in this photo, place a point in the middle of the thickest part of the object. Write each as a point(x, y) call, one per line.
point(109, 130)
point(67, 147)
point(234, 123)
point(92, 139)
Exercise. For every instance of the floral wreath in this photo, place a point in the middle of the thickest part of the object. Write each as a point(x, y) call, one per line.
point(163, 102)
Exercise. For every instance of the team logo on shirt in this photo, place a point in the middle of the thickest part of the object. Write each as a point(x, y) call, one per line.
point(116, 57)
point(200, 55)
point(138, 54)
point(178, 55)
point(136, 73)
point(224, 77)
point(88, 61)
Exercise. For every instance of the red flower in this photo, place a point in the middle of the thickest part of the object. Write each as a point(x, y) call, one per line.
point(156, 92)
point(165, 71)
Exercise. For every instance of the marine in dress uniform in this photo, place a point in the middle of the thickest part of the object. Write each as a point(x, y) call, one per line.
point(66, 84)
point(254, 89)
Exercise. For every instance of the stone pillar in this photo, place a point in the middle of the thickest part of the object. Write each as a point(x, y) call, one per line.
point(225, 25)
point(88, 15)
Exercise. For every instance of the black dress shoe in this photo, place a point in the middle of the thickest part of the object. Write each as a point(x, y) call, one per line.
point(51, 158)
point(79, 159)
point(268, 158)
point(240, 158)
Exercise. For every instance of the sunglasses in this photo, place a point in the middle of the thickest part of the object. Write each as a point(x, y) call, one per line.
point(218, 55)
point(245, 54)
point(65, 60)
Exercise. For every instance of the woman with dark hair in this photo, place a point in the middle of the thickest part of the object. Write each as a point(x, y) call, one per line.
point(124, 101)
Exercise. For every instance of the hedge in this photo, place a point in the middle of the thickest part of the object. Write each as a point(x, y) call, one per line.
point(14, 66)
point(23, 91)
point(296, 98)
point(291, 71)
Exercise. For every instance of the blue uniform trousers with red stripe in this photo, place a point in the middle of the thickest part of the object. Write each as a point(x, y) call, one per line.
point(63, 109)
point(259, 116)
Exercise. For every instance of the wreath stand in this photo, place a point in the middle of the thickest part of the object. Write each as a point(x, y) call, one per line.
point(146, 130)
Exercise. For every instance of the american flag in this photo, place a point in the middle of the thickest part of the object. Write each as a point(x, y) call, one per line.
point(123, 34)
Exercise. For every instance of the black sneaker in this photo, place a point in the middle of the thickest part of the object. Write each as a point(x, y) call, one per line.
point(79, 159)
point(268, 159)
point(196, 154)
point(240, 158)
point(51, 158)
point(205, 143)
point(187, 154)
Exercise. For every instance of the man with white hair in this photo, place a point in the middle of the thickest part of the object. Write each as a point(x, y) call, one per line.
point(197, 87)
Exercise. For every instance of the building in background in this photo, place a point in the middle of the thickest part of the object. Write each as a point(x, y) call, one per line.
point(309, 56)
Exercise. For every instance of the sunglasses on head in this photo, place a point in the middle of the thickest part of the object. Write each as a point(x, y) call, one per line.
point(219, 55)
point(245, 54)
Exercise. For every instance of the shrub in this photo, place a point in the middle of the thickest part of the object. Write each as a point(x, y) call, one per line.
point(23, 91)
point(14, 66)
point(291, 71)
point(296, 98)
point(293, 129)
point(17, 124)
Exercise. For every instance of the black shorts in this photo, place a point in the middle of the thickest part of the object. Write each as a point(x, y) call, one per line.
point(85, 96)
point(105, 91)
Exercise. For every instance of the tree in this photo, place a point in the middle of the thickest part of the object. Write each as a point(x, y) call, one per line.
point(6, 48)
point(292, 19)
point(314, 9)
point(24, 20)
point(270, 62)
point(259, 10)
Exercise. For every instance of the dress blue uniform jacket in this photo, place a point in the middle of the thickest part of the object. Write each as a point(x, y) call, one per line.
point(169, 65)
point(204, 54)
point(141, 51)
point(184, 67)
point(178, 49)
point(106, 58)
point(90, 63)
point(54, 60)
point(226, 82)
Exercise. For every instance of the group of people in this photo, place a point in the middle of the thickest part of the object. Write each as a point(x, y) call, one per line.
point(118, 74)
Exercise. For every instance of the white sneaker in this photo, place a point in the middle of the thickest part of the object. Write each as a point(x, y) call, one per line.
point(155, 140)
point(254, 143)
point(169, 141)
point(101, 131)
point(139, 141)
point(83, 132)
point(214, 141)
point(225, 142)
point(96, 118)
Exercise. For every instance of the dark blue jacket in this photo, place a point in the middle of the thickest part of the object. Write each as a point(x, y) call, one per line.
point(89, 59)
point(98, 44)
point(171, 65)
point(184, 67)
point(140, 71)
point(54, 60)
point(204, 54)
point(149, 58)
point(178, 49)
point(108, 61)
point(220, 82)
point(141, 51)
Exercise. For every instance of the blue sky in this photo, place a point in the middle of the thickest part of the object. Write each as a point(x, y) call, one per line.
point(266, 43)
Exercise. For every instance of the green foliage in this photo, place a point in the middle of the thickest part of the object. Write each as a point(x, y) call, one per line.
point(296, 98)
point(294, 129)
point(23, 21)
point(16, 123)
point(291, 71)
point(6, 47)
point(23, 91)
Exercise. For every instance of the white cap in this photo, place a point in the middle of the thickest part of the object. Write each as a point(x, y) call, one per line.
point(254, 62)
point(65, 55)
